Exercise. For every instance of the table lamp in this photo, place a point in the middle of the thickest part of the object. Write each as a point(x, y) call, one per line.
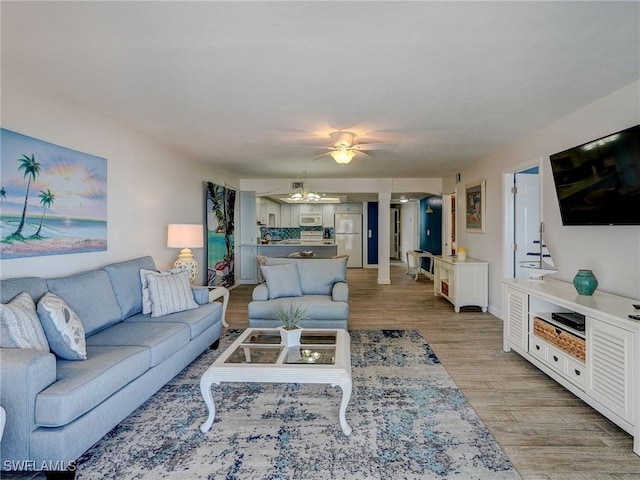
point(186, 236)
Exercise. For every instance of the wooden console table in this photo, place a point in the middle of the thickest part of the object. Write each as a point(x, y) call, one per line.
point(462, 282)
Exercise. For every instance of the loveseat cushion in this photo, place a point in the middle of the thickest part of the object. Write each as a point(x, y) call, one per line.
point(317, 307)
point(197, 320)
point(91, 296)
point(161, 338)
point(80, 386)
point(125, 279)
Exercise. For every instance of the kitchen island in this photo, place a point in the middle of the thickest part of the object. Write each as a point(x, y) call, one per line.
point(325, 250)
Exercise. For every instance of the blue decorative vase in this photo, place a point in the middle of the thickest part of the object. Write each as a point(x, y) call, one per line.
point(585, 282)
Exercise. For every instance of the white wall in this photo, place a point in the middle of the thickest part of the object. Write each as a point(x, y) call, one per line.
point(612, 252)
point(149, 184)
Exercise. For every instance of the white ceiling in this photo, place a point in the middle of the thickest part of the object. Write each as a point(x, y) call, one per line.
point(240, 84)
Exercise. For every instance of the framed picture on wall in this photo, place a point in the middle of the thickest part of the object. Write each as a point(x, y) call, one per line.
point(475, 206)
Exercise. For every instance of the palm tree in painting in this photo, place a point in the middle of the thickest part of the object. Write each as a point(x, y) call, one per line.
point(31, 169)
point(46, 199)
point(3, 195)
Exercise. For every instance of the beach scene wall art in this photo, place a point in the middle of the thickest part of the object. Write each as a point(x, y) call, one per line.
point(53, 200)
point(220, 212)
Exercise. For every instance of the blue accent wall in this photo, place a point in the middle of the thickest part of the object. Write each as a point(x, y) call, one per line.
point(431, 226)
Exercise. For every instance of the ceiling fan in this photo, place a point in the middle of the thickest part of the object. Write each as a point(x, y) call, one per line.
point(343, 147)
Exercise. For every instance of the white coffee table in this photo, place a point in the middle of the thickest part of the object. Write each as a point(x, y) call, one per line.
point(324, 356)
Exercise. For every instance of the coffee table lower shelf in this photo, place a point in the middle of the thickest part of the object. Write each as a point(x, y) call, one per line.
point(255, 358)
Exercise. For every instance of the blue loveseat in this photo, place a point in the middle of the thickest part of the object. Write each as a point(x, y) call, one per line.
point(57, 409)
point(319, 285)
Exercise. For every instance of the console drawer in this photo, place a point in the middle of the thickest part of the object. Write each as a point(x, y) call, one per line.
point(538, 348)
point(576, 372)
point(565, 341)
point(556, 358)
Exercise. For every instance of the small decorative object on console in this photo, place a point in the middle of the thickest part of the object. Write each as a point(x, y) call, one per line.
point(585, 282)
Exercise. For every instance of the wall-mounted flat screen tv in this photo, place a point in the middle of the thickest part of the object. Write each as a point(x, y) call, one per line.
point(598, 183)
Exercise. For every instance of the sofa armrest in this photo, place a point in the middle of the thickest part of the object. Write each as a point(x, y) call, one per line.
point(25, 373)
point(340, 292)
point(200, 294)
point(260, 292)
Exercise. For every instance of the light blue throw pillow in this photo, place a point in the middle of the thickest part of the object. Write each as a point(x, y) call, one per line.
point(282, 280)
point(63, 328)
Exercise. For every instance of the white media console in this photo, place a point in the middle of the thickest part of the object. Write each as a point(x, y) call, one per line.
point(600, 365)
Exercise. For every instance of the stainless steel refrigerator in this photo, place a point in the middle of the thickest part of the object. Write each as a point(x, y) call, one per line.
point(348, 237)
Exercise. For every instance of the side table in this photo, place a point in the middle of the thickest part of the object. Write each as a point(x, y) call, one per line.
point(417, 257)
point(218, 292)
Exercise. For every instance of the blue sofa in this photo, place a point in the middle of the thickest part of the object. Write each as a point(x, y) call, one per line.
point(57, 409)
point(319, 285)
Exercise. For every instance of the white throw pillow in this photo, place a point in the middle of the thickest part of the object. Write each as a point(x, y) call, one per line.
point(63, 328)
point(170, 293)
point(20, 326)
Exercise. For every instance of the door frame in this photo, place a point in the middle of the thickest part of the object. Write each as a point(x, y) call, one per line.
point(449, 223)
point(509, 212)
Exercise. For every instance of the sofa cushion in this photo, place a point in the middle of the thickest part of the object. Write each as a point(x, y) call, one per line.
point(170, 293)
point(317, 307)
point(20, 326)
point(146, 298)
point(34, 286)
point(282, 280)
point(91, 296)
point(197, 320)
point(163, 339)
point(125, 279)
point(317, 275)
point(62, 327)
point(80, 386)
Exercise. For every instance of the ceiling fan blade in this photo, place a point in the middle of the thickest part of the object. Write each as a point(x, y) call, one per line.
point(373, 146)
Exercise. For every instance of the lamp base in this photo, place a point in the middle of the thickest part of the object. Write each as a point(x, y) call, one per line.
point(187, 262)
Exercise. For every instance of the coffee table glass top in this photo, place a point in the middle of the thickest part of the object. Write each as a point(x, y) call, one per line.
point(264, 347)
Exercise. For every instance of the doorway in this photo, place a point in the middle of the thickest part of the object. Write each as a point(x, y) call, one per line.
point(394, 233)
point(522, 202)
point(449, 223)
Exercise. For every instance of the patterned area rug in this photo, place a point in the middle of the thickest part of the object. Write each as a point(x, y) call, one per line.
point(409, 421)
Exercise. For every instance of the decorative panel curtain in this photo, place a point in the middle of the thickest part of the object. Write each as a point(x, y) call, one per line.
point(220, 204)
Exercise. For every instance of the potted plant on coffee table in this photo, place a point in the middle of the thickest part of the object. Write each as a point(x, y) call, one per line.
point(290, 315)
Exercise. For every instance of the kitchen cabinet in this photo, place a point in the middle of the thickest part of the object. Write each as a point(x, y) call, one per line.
point(285, 215)
point(328, 212)
point(295, 215)
point(598, 364)
point(462, 282)
point(248, 264)
point(310, 208)
point(348, 208)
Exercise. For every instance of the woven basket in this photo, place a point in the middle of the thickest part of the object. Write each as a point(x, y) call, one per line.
point(565, 341)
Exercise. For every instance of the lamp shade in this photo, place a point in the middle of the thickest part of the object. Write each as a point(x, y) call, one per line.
point(343, 156)
point(185, 235)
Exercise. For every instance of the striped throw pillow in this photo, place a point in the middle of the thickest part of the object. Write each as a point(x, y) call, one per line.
point(170, 293)
point(20, 326)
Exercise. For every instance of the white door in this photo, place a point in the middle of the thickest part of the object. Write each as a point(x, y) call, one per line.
point(527, 216)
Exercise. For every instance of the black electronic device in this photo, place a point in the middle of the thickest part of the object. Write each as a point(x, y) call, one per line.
point(598, 183)
point(570, 319)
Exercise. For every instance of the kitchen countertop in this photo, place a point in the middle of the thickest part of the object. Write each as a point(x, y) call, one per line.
point(284, 249)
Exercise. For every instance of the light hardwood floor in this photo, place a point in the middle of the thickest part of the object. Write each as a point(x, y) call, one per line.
point(546, 431)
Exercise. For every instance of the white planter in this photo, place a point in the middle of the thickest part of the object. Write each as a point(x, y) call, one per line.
point(290, 338)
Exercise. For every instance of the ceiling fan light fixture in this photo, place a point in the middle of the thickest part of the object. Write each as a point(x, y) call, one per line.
point(342, 139)
point(343, 155)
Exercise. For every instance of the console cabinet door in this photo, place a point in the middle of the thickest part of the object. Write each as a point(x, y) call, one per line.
point(517, 319)
point(610, 367)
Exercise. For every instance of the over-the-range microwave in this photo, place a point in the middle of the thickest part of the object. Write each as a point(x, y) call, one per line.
point(310, 220)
